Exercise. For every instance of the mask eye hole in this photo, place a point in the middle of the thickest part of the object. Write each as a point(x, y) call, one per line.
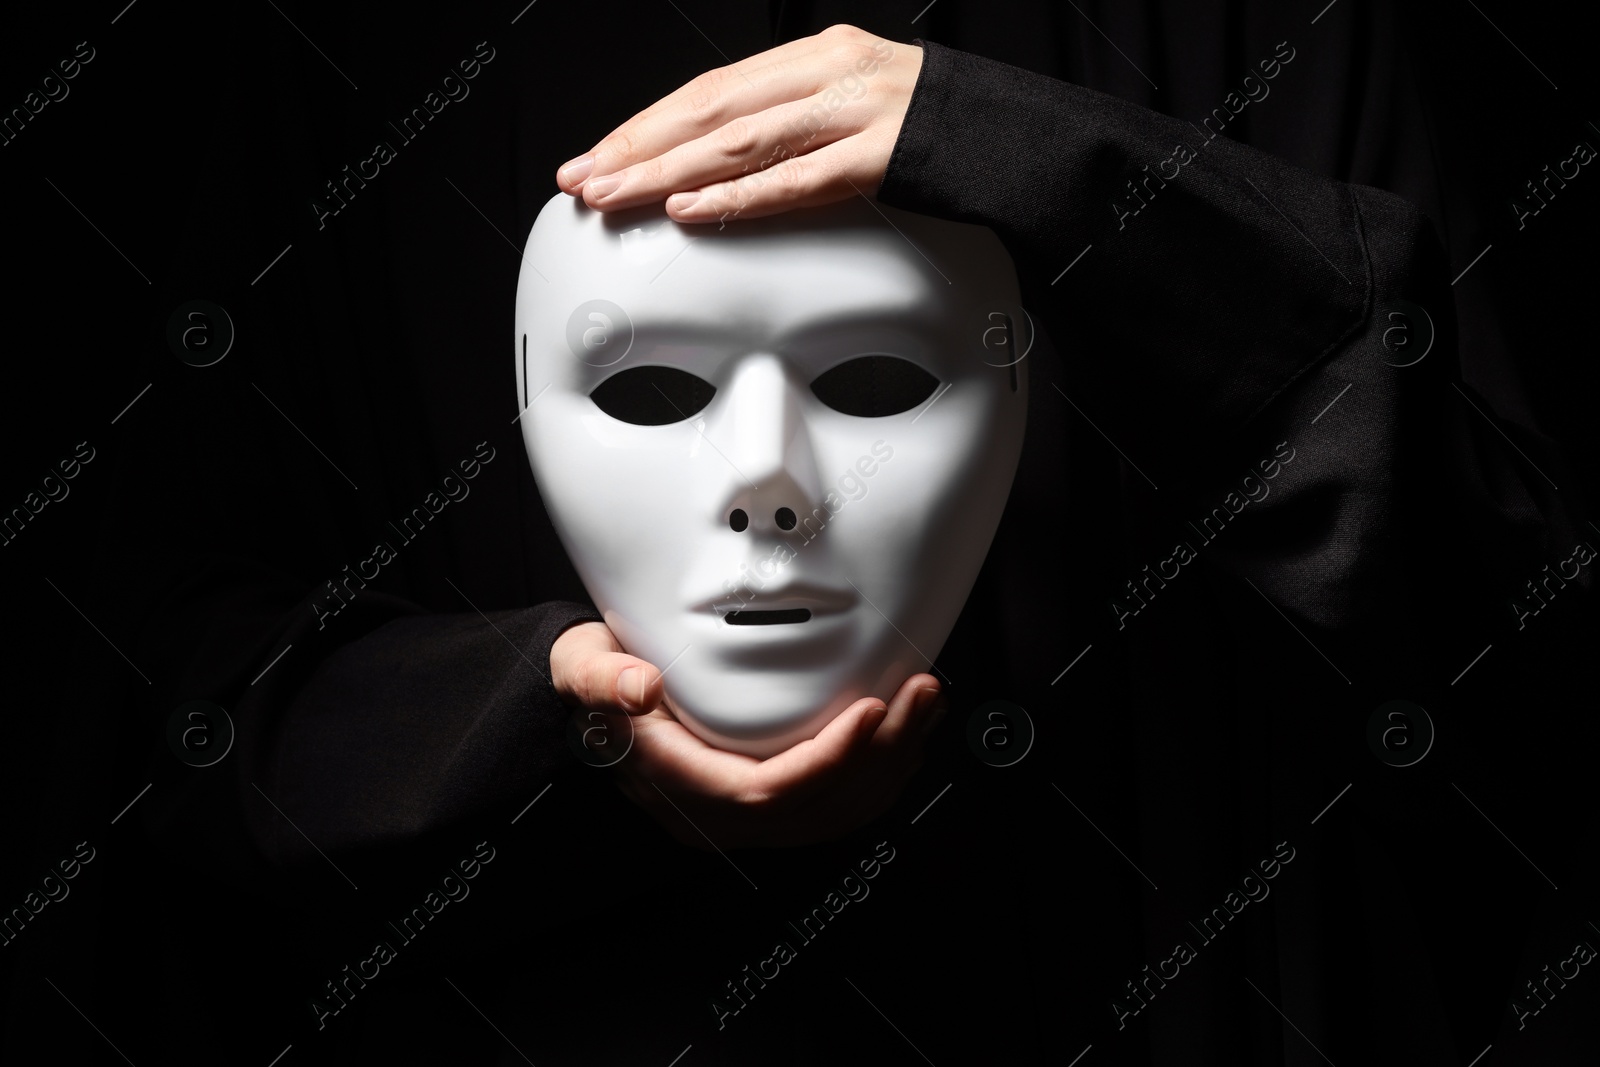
point(652, 396)
point(874, 386)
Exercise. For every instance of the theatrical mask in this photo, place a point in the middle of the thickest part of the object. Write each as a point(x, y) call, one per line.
point(777, 449)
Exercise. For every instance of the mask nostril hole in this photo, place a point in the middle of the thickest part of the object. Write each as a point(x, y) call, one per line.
point(786, 519)
point(739, 520)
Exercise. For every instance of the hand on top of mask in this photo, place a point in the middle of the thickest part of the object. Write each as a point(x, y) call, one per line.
point(820, 789)
point(810, 122)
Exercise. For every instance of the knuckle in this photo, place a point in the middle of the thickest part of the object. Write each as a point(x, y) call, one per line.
point(593, 682)
point(847, 53)
point(736, 198)
point(841, 31)
point(704, 97)
point(737, 140)
point(793, 176)
point(650, 175)
point(616, 149)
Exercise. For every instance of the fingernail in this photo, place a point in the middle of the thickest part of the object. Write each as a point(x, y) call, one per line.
point(630, 688)
point(872, 717)
point(682, 201)
point(578, 169)
point(604, 185)
point(923, 698)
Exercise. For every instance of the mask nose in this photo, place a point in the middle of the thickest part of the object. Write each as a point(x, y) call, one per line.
point(774, 477)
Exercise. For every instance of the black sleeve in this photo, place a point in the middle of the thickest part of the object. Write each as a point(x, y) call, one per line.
point(369, 732)
point(1210, 301)
point(1198, 289)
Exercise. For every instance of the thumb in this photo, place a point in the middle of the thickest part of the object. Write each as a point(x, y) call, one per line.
point(590, 670)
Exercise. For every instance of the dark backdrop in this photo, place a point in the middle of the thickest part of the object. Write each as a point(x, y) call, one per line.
point(177, 169)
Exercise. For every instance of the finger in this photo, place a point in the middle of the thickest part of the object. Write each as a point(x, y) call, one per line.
point(875, 777)
point(837, 59)
point(837, 791)
point(690, 788)
point(590, 669)
point(814, 765)
point(699, 105)
point(595, 636)
point(832, 173)
point(667, 753)
point(911, 710)
point(740, 150)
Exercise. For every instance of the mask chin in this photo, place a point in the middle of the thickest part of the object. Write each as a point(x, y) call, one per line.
point(808, 533)
point(721, 713)
point(791, 705)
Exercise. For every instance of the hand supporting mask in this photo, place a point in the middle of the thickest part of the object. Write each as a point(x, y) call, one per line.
point(776, 452)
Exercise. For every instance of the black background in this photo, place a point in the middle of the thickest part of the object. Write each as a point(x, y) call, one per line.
point(167, 143)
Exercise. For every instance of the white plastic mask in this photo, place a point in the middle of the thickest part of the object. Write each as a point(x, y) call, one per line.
point(777, 557)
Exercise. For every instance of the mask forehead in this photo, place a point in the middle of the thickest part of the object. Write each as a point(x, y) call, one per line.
point(843, 282)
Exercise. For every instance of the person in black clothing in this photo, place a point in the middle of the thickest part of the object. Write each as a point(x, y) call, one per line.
point(1247, 518)
point(1330, 546)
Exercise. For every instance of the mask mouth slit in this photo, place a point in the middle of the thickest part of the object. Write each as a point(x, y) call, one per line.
point(767, 618)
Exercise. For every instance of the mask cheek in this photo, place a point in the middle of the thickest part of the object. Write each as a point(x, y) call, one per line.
point(852, 486)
